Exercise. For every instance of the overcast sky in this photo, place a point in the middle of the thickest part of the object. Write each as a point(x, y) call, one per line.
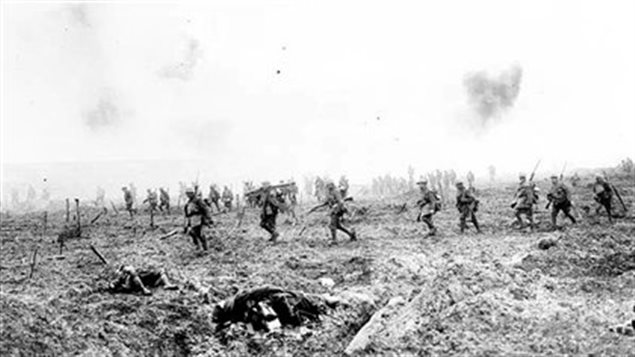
point(363, 88)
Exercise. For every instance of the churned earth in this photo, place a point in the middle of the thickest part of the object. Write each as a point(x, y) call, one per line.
point(499, 293)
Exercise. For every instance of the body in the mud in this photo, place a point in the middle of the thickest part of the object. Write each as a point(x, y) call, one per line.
point(214, 197)
point(524, 201)
point(152, 200)
point(267, 307)
point(129, 201)
point(559, 198)
point(197, 216)
point(164, 200)
point(270, 208)
point(428, 205)
point(467, 204)
point(603, 195)
point(129, 280)
point(227, 198)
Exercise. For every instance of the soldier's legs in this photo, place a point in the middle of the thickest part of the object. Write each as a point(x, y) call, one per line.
point(567, 212)
point(475, 222)
point(195, 233)
point(462, 219)
point(351, 233)
point(137, 284)
point(530, 217)
point(427, 219)
point(519, 218)
point(333, 225)
point(555, 209)
point(607, 206)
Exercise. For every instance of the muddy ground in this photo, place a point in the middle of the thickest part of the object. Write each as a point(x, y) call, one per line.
point(493, 294)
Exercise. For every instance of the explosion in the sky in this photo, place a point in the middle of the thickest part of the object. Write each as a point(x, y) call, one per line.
point(490, 95)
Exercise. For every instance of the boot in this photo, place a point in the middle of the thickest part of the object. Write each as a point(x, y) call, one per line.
point(353, 235)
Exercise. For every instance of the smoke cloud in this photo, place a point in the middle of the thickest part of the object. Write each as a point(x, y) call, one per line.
point(184, 68)
point(106, 112)
point(491, 95)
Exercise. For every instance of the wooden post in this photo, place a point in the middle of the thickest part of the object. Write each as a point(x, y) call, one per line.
point(151, 217)
point(101, 257)
point(68, 211)
point(33, 262)
point(45, 221)
point(79, 221)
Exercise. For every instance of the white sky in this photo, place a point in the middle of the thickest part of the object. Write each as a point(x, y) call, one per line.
point(344, 64)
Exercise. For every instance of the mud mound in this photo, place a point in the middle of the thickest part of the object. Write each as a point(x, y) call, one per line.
point(614, 264)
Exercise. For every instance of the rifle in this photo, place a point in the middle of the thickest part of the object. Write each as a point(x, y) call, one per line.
point(562, 172)
point(533, 173)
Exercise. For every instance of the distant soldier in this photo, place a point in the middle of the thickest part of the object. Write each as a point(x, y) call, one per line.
point(343, 186)
point(128, 200)
point(467, 205)
point(182, 197)
point(214, 197)
point(446, 186)
point(603, 194)
point(428, 205)
point(575, 179)
point(334, 201)
point(470, 180)
point(293, 194)
point(560, 200)
point(492, 172)
point(197, 215)
point(15, 198)
point(227, 198)
point(100, 197)
point(152, 200)
point(164, 200)
point(133, 192)
point(30, 194)
point(129, 280)
point(452, 177)
point(524, 201)
point(271, 206)
point(319, 189)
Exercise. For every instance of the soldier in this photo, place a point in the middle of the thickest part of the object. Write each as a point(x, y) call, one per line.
point(164, 200)
point(428, 205)
point(129, 280)
point(182, 197)
point(133, 192)
point(575, 179)
point(470, 180)
point(560, 200)
point(343, 186)
point(197, 215)
point(467, 205)
point(152, 200)
point(214, 197)
point(319, 189)
point(227, 198)
point(272, 204)
point(446, 186)
point(101, 196)
point(524, 201)
point(335, 202)
point(127, 197)
point(603, 194)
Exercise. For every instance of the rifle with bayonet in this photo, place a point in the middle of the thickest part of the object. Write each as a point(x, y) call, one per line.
point(531, 178)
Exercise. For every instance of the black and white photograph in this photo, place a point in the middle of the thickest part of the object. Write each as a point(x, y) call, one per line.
point(317, 178)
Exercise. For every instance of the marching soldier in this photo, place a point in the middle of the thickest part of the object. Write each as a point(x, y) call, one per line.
point(214, 197)
point(227, 198)
point(603, 194)
point(197, 215)
point(560, 200)
point(152, 200)
point(526, 198)
point(164, 200)
point(343, 186)
point(335, 202)
point(128, 199)
point(428, 205)
point(467, 205)
point(470, 180)
point(270, 208)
